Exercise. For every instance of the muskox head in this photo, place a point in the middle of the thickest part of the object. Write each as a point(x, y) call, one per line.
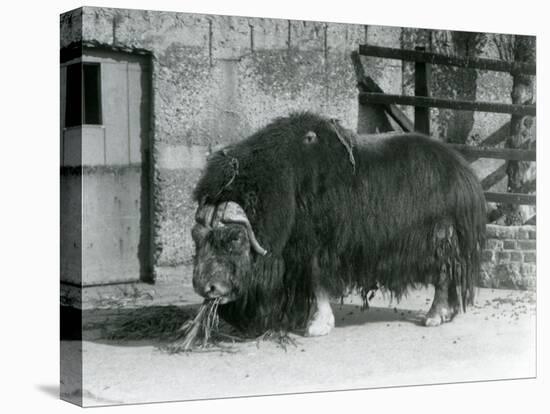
point(224, 240)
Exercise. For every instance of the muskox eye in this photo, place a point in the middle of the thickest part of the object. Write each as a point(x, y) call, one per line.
point(236, 242)
point(310, 137)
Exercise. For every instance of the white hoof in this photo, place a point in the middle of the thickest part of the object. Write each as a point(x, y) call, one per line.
point(438, 316)
point(433, 321)
point(321, 323)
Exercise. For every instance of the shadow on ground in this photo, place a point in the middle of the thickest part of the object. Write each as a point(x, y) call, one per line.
point(347, 315)
point(153, 324)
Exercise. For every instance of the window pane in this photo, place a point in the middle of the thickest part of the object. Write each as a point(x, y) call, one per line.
point(92, 94)
point(73, 105)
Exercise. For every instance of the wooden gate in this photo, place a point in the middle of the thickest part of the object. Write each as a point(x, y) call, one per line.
point(105, 207)
point(371, 93)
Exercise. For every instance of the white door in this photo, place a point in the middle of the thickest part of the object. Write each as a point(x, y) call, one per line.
point(105, 128)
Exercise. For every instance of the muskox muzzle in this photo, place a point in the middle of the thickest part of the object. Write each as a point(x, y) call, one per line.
point(224, 241)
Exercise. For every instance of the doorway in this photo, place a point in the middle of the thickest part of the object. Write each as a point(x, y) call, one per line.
point(105, 167)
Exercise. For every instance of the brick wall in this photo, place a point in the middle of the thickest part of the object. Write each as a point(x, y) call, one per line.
point(509, 258)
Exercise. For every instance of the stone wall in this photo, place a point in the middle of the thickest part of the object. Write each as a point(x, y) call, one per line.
point(216, 79)
point(509, 258)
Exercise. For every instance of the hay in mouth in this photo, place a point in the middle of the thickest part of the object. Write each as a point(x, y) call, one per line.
point(199, 331)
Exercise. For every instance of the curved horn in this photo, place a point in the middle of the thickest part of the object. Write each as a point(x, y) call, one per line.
point(231, 212)
point(205, 214)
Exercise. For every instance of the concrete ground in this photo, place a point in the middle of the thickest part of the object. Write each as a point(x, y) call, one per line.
point(380, 347)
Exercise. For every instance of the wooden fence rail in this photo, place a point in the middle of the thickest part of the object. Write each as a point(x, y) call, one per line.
point(497, 153)
point(437, 59)
point(427, 102)
point(511, 198)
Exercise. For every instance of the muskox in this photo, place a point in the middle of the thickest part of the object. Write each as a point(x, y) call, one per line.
point(305, 210)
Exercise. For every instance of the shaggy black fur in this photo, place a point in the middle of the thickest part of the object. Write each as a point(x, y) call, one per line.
point(370, 212)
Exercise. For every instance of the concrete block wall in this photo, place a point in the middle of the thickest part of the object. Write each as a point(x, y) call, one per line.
point(215, 80)
point(509, 259)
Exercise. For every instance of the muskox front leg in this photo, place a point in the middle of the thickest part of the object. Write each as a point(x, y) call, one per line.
point(321, 320)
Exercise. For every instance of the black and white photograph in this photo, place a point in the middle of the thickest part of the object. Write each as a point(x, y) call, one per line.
point(276, 198)
point(285, 205)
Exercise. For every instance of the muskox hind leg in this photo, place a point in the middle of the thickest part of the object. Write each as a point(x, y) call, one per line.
point(321, 320)
point(446, 303)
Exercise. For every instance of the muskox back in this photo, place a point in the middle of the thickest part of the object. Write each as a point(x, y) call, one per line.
point(336, 213)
